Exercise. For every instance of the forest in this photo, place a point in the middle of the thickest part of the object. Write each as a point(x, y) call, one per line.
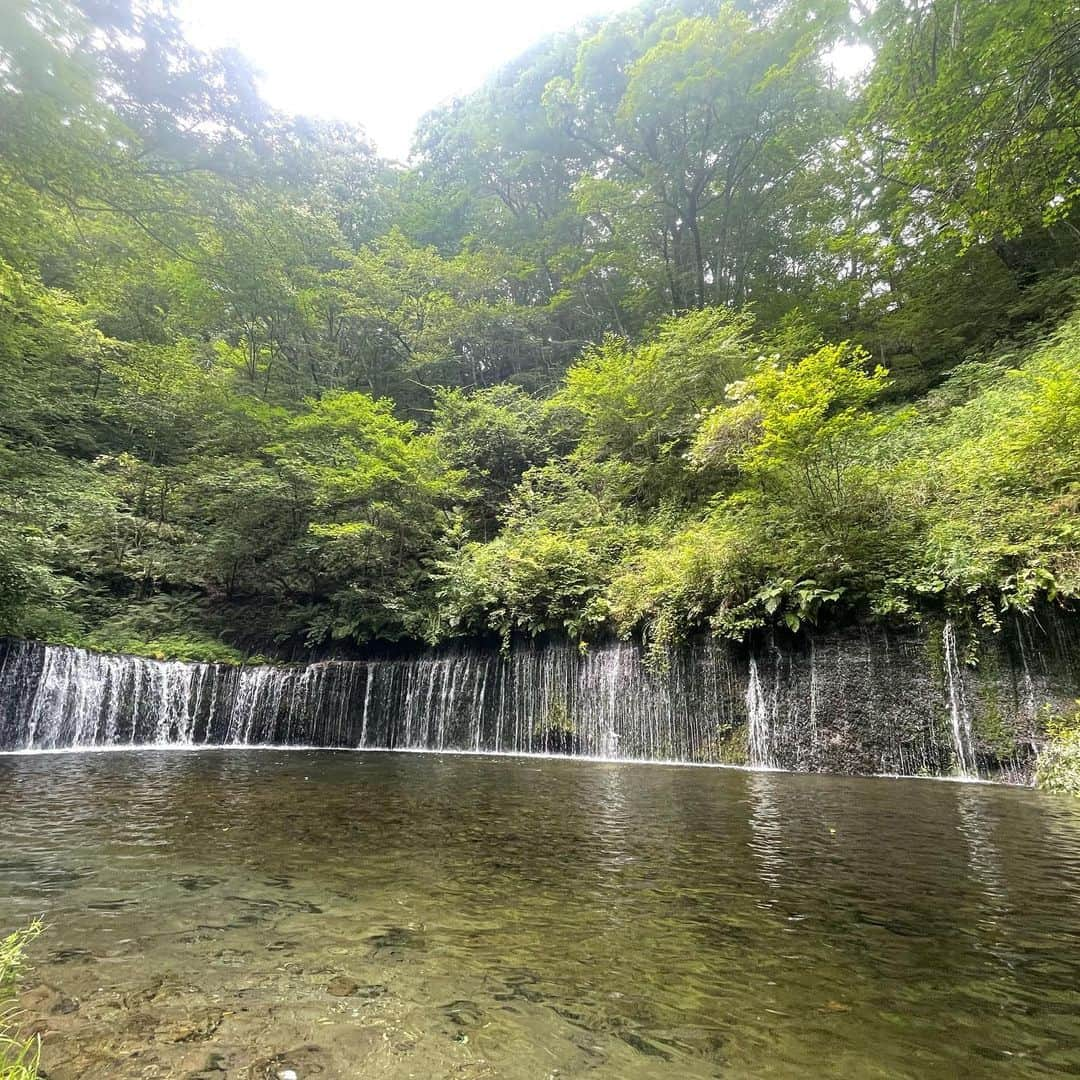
point(669, 329)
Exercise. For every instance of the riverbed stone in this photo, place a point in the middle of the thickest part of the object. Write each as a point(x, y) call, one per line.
point(44, 999)
point(342, 986)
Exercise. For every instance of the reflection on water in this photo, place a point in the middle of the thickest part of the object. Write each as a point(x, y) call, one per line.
point(977, 824)
point(342, 914)
point(767, 836)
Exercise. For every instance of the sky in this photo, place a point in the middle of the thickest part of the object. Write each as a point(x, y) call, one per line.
point(381, 64)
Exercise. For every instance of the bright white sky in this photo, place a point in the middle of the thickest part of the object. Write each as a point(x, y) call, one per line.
point(381, 64)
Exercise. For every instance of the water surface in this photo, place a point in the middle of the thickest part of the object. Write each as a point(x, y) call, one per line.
point(234, 913)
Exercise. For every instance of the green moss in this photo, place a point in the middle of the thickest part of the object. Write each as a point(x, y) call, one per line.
point(732, 747)
point(934, 647)
point(993, 731)
point(555, 730)
point(557, 718)
point(935, 650)
point(168, 647)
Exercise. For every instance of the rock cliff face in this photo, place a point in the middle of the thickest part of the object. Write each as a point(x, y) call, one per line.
point(855, 701)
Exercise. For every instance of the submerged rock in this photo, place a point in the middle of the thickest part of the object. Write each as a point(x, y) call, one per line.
point(342, 986)
point(45, 999)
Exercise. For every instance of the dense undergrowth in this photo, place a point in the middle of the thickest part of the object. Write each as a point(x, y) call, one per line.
point(665, 329)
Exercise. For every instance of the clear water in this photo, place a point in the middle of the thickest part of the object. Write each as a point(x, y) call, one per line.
point(236, 913)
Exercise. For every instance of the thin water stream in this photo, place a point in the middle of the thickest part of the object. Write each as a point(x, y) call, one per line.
point(235, 913)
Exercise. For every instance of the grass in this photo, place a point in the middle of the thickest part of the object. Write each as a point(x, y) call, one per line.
point(18, 1057)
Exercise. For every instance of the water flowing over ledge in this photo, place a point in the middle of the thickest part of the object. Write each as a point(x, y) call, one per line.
point(861, 701)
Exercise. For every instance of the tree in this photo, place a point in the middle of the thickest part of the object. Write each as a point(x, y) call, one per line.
point(643, 403)
point(973, 107)
point(376, 499)
point(492, 436)
point(697, 127)
point(416, 319)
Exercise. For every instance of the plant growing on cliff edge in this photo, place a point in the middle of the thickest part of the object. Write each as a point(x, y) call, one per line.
point(1058, 768)
point(18, 1057)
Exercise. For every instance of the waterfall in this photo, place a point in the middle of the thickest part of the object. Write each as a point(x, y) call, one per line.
point(855, 701)
point(962, 736)
point(1026, 678)
point(758, 726)
point(605, 703)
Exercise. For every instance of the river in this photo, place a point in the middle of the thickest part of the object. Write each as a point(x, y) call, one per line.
point(238, 912)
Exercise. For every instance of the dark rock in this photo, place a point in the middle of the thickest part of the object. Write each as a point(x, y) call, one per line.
point(643, 1046)
point(464, 1013)
point(71, 956)
point(196, 882)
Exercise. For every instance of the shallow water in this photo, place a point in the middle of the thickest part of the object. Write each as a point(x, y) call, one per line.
point(238, 912)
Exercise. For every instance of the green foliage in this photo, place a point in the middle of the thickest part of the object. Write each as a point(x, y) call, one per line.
point(1001, 478)
point(825, 499)
point(641, 404)
point(564, 532)
point(18, 1057)
point(1058, 766)
point(956, 76)
point(696, 128)
point(799, 425)
point(599, 360)
point(163, 627)
point(12, 950)
point(373, 496)
point(492, 437)
point(806, 520)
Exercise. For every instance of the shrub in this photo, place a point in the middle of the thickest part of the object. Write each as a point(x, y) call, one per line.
point(1058, 769)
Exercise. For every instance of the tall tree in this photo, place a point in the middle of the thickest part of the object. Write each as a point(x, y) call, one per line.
point(698, 127)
